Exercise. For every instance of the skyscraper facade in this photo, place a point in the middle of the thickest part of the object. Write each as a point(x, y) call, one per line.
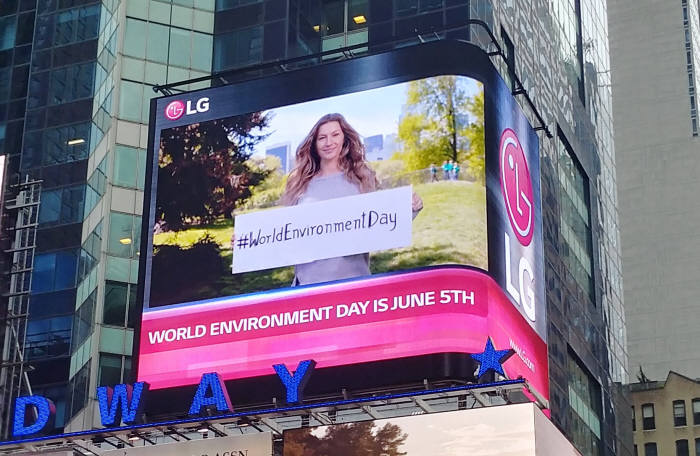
point(75, 111)
point(655, 80)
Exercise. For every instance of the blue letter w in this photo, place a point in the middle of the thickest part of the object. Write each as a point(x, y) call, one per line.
point(122, 403)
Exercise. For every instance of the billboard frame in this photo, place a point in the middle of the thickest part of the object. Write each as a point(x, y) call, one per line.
point(317, 82)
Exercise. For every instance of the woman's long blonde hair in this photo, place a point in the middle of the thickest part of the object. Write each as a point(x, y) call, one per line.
point(308, 163)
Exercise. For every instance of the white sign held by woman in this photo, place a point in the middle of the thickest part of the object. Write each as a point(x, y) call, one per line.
point(327, 229)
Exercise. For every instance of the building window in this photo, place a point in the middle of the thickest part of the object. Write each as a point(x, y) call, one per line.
point(696, 411)
point(575, 217)
point(650, 449)
point(120, 307)
point(697, 447)
point(72, 83)
point(129, 167)
point(682, 448)
point(238, 48)
point(54, 271)
point(648, 421)
point(78, 24)
point(114, 369)
point(679, 413)
point(62, 206)
point(8, 26)
point(78, 387)
point(585, 401)
point(83, 321)
point(567, 22)
point(690, 67)
point(634, 420)
point(48, 337)
point(124, 235)
point(358, 12)
point(54, 146)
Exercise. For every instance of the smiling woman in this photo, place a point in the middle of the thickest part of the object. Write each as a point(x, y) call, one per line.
point(331, 147)
point(330, 164)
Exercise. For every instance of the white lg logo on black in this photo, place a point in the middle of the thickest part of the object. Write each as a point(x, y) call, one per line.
point(177, 108)
point(201, 106)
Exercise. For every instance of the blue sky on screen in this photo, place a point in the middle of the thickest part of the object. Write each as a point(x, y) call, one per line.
point(370, 112)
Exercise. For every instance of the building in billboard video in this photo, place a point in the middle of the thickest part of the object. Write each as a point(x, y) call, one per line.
point(350, 262)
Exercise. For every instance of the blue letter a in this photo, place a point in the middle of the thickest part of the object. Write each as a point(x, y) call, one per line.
point(123, 403)
point(45, 410)
point(295, 384)
point(219, 395)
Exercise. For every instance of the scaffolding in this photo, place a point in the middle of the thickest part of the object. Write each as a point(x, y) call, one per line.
point(18, 241)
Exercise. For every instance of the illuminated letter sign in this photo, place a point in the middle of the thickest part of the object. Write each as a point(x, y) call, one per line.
point(219, 396)
point(121, 403)
point(45, 410)
point(294, 384)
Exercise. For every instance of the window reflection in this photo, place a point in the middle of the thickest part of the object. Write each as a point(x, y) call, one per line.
point(78, 24)
point(567, 23)
point(8, 27)
point(238, 48)
point(48, 337)
point(575, 218)
point(585, 401)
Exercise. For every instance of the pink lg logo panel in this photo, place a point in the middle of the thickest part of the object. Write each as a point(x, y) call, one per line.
point(517, 187)
point(175, 110)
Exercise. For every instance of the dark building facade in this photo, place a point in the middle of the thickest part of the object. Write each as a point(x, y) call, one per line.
point(75, 77)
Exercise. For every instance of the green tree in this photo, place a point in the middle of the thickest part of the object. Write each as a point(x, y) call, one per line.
point(476, 155)
point(203, 170)
point(441, 122)
point(268, 192)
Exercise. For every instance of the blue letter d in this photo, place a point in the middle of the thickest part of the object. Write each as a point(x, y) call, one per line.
point(45, 410)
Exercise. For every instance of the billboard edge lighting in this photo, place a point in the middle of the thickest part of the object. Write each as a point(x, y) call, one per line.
point(510, 264)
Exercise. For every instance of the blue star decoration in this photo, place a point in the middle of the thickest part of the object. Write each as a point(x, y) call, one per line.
point(492, 359)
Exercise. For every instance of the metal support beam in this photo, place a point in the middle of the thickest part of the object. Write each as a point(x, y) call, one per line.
point(321, 418)
point(479, 397)
point(423, 405)
point(371, 412)
point(272, 425)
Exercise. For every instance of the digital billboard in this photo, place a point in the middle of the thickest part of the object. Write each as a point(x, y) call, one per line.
point(403, 266)
point(509, 430)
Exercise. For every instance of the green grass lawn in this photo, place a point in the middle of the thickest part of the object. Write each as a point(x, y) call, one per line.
point(451, 228)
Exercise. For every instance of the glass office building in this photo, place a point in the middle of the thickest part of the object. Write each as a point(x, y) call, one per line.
point(76, 77)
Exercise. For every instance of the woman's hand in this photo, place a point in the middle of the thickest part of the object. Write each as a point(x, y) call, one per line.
point(233, 241)
point(416, 202)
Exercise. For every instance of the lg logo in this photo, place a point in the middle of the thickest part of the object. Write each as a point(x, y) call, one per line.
point(516, 186)
point(518, 196)
point(177, 108)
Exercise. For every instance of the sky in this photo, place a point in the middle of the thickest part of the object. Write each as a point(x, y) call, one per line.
point(370, 112)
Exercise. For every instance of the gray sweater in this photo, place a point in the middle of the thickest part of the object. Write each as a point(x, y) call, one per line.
point(324, 188)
